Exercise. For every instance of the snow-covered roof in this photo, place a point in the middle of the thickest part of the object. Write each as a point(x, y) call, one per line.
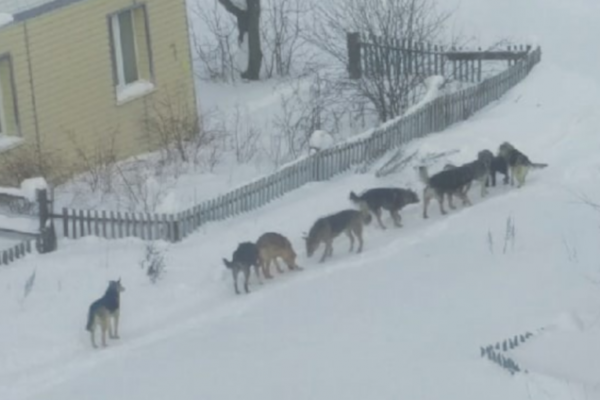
point(16, 6)
point(19, 10)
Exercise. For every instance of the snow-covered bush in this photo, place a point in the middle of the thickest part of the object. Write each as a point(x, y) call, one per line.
point(153, 262)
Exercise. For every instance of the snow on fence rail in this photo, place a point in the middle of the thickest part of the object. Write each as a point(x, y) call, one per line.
point(323, 165)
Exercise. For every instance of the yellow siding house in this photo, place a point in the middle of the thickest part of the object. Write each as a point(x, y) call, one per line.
point(79, 75)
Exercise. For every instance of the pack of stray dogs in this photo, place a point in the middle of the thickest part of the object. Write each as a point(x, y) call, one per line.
point(451, 181)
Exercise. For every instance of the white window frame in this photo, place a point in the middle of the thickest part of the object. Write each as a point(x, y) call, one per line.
point(127, 91)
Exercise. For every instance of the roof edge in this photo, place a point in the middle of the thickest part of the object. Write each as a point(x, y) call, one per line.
point(42, 9)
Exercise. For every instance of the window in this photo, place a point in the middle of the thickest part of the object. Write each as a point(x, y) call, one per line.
point(132, 64)
point(9, 124)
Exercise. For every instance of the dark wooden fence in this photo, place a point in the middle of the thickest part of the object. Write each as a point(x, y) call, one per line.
point(373, 57)
point(435, 116)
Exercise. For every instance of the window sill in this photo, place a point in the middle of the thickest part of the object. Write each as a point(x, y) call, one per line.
point(8, 142)
point(133, 91)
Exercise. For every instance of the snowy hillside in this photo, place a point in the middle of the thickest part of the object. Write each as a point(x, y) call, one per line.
point(403, 320)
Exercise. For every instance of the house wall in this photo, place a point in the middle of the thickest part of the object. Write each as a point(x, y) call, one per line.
point(12, 45)
point(67, 98)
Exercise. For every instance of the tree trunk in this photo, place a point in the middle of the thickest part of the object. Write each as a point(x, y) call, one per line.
point(254, 50)
point(248, 21)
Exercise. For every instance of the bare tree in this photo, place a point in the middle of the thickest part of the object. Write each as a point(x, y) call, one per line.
point(415, 21)
point(281, 31)
point(248, 22)
point(213, 43)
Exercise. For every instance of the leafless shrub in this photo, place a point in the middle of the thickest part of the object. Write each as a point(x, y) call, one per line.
point(153, 263)
point(243, 136)
point(97, 163)
point(509, 235)
point(313, 103)
point(490, 241)
point(29, 161)
point(213, 43)
point(415, 21)
point(281, 30)
point(175, 125)
point(571, 251)
point(142, 188)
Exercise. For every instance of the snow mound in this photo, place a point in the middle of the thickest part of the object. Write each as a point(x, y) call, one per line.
point(320, 140)
point(29, 187)
point(27, 190)
point(5, 19)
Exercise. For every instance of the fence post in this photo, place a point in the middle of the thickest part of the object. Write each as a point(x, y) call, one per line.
point(353, 45)
point(176, 227)
point(47, 231)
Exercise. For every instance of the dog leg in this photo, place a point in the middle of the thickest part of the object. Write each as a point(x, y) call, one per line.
point(466, 200)
point(234, 273)
point(326, 252)
point(483, 188)
point(351, 237)
point(267, 268)
point(257, 272)
point(358, 233)
point(246, 277)
point(440, 200)
point(111, 324)
point(279, 269)
point(397, 218)
point(512, 176)
point(378, 215)
point(521, 175)
point(450, 202)
point(103, 327)
point(93, 336)
point(116, 317)
point(426, 200)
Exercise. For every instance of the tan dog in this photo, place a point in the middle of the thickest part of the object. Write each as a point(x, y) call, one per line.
point(272, 245)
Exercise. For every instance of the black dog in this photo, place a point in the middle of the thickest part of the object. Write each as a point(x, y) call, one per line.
point(244, 257)
point(391, 199)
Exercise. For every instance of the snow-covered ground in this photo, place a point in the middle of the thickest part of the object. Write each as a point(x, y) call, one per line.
point(404, 319)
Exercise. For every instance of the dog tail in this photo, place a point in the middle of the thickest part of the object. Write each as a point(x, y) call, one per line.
point(367, 218)
point(90, 319)
point(227, 263)
point(538, 165)
point(354, 198)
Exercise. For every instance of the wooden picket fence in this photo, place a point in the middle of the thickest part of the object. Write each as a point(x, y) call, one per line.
point(20, 250)
point(372, 56)
point(436, 116)
point(42, 240)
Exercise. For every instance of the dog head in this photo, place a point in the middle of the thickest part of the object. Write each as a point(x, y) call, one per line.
point(411, 197)
point(423, 174)
point(486, 157)
point(504, 149)
point(311, 244)
point(116, 286)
